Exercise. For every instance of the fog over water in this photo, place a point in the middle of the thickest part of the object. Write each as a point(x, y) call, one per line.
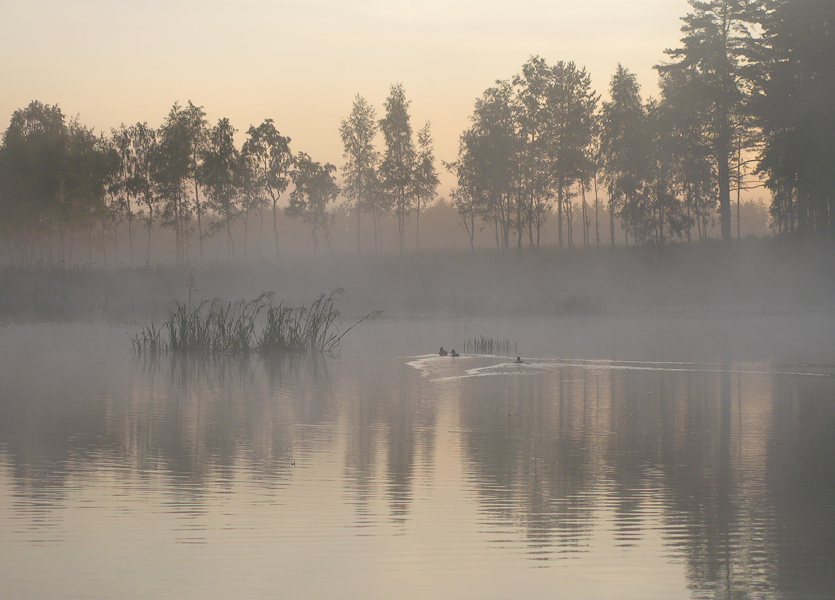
point(762, 300)
point(668, 434)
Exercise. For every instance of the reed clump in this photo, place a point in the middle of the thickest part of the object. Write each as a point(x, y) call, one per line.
point(487, 345)
point(258, 326)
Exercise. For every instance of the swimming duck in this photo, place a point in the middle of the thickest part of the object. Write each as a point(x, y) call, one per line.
point(454, 354)
point(443, 352)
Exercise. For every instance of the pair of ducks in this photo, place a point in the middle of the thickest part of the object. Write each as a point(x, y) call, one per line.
point(454, 354)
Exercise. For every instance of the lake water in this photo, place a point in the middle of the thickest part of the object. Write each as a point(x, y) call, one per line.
point(594, 470)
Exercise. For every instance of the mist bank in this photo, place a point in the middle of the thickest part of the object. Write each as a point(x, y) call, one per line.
point(750, 277)
point(253, 238)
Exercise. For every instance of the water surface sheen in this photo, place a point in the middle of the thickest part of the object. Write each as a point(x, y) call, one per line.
point(406, 475)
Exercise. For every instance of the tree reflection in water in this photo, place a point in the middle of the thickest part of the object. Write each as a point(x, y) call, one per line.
point(730, 470)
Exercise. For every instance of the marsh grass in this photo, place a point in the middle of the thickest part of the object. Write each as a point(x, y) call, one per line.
point(149, 339)
point(258, 326)
point(486, 345)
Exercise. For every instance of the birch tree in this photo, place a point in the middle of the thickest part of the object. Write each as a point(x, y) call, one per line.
point(361, 161)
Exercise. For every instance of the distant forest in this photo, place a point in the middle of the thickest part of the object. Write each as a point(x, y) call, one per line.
point(746, 99)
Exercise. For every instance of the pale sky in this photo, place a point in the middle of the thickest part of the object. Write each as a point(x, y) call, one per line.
point(301, 62)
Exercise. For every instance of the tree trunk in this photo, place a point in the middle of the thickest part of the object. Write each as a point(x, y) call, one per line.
point(559, 214)
point(178, 225)
point(724, 191)
point(246, 233)
point(260, 228)
point(596, 216)
point(150, 226)
point(585, 218)
point(689, 221)
point(359, 216)
point(374, 221)
point(417, 228)
point(275, 226)
point(569, 221)
point(103, 240)
point(472, 232)
point(228, 237)
point(401, 219)
point(506, 212)
point(538, 228)
point(497, 225)
point(519, 224)
point(531, 222)
point(130, 229)
point(199, 222)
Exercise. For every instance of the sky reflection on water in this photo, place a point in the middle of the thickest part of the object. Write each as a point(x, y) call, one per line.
point(395, 476)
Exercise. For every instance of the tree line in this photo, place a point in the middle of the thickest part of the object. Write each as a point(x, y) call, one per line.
point(59, 179)
point(743, 99)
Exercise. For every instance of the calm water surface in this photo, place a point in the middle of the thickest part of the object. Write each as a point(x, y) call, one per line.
point(391, 473)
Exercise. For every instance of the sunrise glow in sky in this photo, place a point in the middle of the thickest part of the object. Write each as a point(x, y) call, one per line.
point(301, 62)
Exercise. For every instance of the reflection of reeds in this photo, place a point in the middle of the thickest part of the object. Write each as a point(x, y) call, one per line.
point(243, 327)
point(485, 345)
